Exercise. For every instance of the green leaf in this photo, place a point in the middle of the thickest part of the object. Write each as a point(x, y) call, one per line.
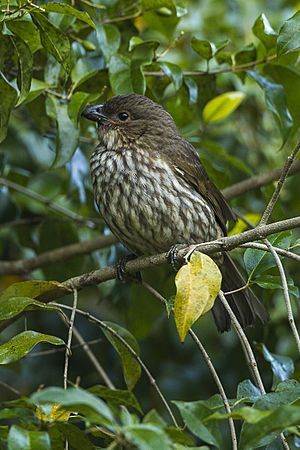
point(192, 89)
point(8, 97)
point(76, 437)
point(109, 38)
point(120, 75)
point(258, 261)
point(289, 35)
point(156, 4)
point(67, 139)
point(76, 400)
point(25, 61)
point(78, 103)
point(193, 414)
point(84, 69)
point(264, 32)
point(131, 368)
point(203, 47)
point(23, 343)
point(247, 391)
point(27, 31)
point(147, 437)
point(276, 102)
point(116, 396)
point(20, 439)
point(197, 285)
point(174, 72)
point(32, 289)
point(36, 89)
point(141, 55)
point(13, 306)
point(54, 41)
point(222, 106)
point(63, 8)
point(282, 366)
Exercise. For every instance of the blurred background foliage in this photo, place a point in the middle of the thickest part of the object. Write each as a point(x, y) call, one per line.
point(55, 58)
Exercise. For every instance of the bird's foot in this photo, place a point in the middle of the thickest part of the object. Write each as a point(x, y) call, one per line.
point(121, 273)
point(172, 256)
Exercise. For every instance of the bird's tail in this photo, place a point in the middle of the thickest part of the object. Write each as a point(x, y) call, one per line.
point(245, 305)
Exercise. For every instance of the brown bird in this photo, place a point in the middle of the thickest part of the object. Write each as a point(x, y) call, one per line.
point(154, 192)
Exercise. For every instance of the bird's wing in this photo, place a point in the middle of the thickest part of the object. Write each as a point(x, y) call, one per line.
point(187, 166)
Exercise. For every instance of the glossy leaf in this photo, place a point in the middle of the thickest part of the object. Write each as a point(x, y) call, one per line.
point(193, 414)
point(67, 139)
point(20, 439)
point(32, 289)
point(8, 97)
point(27, 31)
point(120, 75)
point(141, 56)
point(131, 368)
point(68, 10)
point(25, 61)
point(76, 400)
point(109, 39)
point(282, 366)
point(264, 32)
point(276, 102)
point(174, 72)
point(147, 437)
point(116, 396)
point(13, 306)
point(289, 35)
point(247, 391)
point(54, 41)
point(77, 104)
point(203, 47)
point(36, 89)
point(222, 106)
point(23, 343)
point(192, 88)
point(198, 283)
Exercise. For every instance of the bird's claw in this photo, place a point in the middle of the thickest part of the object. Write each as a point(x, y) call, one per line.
point(172, 256)
point(121, 273)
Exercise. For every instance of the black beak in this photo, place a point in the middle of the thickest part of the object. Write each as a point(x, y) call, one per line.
point(94, 113)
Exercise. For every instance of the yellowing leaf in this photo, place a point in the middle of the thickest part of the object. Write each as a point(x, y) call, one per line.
point(52, 413)
point(198, 284)
point(221, 106)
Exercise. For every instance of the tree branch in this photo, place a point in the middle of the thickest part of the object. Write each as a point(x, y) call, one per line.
point(257, 181)
point(23, 266)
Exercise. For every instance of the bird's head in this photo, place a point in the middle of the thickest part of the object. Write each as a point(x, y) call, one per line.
point(125, 119)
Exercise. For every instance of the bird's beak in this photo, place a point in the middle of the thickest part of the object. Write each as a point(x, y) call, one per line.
point(94, 112)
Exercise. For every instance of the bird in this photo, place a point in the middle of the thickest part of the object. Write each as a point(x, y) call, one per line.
point(154, 193)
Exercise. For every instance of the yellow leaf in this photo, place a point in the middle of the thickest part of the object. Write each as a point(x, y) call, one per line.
point(52, 413)
point(198, 284)
point(221, 106)
point(240, 225)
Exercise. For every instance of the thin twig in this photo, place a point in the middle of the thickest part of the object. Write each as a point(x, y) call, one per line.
point(106, 327)
point(93, 359)
point(211, 367)
point(70, 334)
point(279, 251)
point(91, 223)
point(285, 294)
point(282, 179)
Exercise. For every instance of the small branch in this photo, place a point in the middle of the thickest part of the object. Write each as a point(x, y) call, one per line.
point(23, 266)
point(285, 294)
point(279, 251)
point(106, 327)
point(68, 349)
point(93, 359)
point(91, 223)
point(257, 181)
point(282, 179)
point(245, 344)
point(211, 367)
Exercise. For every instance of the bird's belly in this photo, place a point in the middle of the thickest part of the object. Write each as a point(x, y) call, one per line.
point(148, 208)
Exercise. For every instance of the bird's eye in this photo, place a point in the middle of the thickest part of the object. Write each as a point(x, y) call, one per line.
point(123, 116)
